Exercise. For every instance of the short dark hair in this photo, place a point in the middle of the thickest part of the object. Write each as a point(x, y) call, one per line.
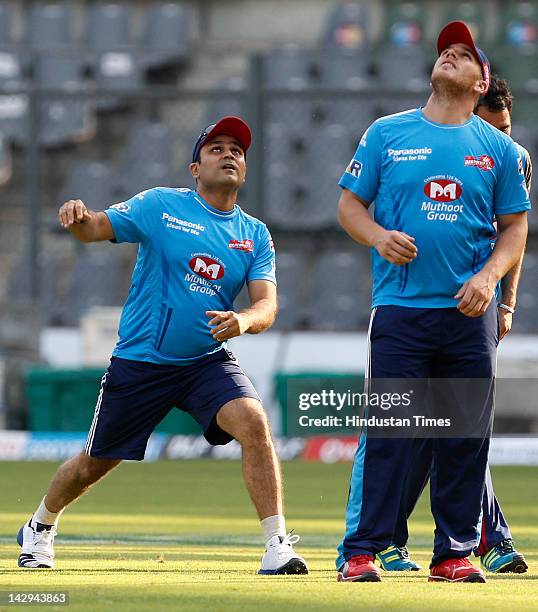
point(498, 96)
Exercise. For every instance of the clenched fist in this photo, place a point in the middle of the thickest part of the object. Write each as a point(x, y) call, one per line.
point(396, 247)
point(73, 211)
point(227, 324)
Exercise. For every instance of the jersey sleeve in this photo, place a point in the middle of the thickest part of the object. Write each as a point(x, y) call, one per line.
point(528, 171)
point(263, 264)
point(363, 173)
point(130, 220)
point(511, 195)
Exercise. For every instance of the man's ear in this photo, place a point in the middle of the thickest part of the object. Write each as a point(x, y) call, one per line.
point(481, 87)
point(193, 169)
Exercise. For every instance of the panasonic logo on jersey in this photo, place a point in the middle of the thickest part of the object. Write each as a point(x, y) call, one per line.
point(400, 152)
point(182, 222)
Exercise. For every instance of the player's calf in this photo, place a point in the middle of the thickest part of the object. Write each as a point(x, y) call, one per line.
point(72, 479)
point(246, 421)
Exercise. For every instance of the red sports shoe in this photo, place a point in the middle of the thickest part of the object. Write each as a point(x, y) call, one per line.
point(456, 570)
point(359, 569)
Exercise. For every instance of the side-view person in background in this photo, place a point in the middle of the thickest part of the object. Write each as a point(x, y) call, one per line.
point(496, 548)
point(197, 249)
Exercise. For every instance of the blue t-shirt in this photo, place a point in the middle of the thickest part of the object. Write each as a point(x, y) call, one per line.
point(443, 185)
point(192, 258)
point(527, 165)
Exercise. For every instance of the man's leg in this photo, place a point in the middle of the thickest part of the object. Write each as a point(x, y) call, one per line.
point(74, 478)
point(396, 557)
point(400, 347)
point(245, 420)
point(134, 397)
point(221, 398)
point(69, 482)
point(464, 387)
point(496, 549)
point(415, 483)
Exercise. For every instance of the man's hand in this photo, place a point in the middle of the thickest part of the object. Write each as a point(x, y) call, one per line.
point(505, 322)
point(227, 324)
point(476, 294)
point(396, 247)
point(73, 211)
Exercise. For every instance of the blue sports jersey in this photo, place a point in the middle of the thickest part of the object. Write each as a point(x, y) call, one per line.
point(443, 185)
point(192, 258)
point(527, 165)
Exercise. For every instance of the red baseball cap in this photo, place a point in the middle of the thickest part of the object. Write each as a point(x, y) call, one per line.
point(229, 126)
point(458, 32)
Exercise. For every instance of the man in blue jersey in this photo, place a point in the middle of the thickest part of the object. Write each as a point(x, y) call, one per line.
point(440, 177)
point(495, 549)
point(196, 251)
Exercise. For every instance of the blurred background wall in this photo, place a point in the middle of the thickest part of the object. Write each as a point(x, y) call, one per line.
point(100, 100)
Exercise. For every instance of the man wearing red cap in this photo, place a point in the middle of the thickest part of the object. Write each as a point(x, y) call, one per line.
point(440, 177)
point(197, 249)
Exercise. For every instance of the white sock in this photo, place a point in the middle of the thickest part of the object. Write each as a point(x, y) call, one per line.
point(273, 526)
point(44, 516)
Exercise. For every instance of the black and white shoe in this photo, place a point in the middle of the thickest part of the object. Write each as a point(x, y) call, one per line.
point(280, 558)
point(37, 542)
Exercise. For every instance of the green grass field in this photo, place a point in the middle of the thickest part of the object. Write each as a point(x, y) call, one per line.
point(183, 535)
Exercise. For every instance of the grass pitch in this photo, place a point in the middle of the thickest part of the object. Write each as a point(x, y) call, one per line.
point(183, 536)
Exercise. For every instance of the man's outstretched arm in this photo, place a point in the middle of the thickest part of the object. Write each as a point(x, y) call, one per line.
point(84, 224)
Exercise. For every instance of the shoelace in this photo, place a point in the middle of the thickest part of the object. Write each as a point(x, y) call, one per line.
point(403, 552)
point(291, 539)
point(45, 538)
point(506, 546)
point(288, 540)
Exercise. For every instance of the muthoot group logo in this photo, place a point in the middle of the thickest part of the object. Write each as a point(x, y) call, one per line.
point(442, 190)
point(442, 193)
point(207, 267)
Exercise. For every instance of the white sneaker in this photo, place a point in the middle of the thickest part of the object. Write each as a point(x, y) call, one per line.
point(37, 543)
point(280, 558)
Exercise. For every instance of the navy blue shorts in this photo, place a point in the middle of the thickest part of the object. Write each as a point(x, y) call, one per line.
point(136, 395)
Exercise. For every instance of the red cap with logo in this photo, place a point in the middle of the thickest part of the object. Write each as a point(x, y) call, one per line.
point(228, 126)
point(458, 32)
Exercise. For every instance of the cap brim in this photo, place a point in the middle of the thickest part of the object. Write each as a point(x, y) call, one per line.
point(457, 32)
point(234, 127)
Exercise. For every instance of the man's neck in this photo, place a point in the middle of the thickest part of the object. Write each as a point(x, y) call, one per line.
point(221, 200)
point(448, 110)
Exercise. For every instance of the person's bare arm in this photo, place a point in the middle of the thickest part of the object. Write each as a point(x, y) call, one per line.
point(476, 294)
point(509, 284)
point(84, 224)
point(396, 247)
point(258, 317)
